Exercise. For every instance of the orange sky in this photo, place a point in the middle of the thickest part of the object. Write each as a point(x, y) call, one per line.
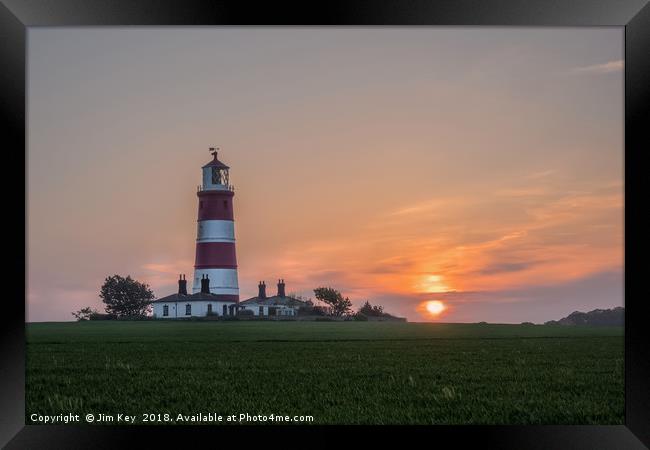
point(479, 167)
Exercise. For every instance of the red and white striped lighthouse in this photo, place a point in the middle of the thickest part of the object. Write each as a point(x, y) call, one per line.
point(215, 242)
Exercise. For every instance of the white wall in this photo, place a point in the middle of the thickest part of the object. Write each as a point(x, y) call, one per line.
point(256, 309)
point(222, 281)
point(199, 309)
point(286, 311)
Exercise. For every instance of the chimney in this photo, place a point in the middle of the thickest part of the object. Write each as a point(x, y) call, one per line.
point(262, 290)
point(205, 284)
point(281, 288)
point(182, 285)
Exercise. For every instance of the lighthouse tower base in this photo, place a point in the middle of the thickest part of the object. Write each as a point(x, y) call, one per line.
point(223, 282)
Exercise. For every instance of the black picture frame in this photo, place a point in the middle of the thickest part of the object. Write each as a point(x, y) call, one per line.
point(17, 15)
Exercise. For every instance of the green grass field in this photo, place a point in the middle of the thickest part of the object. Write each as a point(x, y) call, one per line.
point(337, 372)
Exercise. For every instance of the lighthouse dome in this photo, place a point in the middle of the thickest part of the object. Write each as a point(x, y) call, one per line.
point(215, 174)
point(216, 163)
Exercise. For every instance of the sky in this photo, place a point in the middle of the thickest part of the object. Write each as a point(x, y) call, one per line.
point(481, 167)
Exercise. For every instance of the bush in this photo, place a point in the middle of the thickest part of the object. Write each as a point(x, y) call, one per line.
point(360, 317)
point(128, 318)
point(374, 311)
point(323, 319)
point(305, 311)
point(369, 310)
point(313, 311)
point(84, 313)
point(245, 312)
point(100, 316)
point(320, 311)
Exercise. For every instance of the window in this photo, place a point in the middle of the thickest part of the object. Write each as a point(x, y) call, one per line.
point(225, 310)
point(209, 308)
point(225, 204)
point(165, 310)
point(261, 310)
point(216, 176)
point(188, 310)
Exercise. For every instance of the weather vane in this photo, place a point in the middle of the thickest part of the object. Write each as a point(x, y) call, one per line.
point(214, 150)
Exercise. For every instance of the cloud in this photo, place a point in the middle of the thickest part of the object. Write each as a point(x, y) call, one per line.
point(506, 267)
point(540, 174)
point(539, 303)
point(522, 192)
point(536, 302)
point(434, 204)
point(168, 268)
point(608, 67)
point(515, 238)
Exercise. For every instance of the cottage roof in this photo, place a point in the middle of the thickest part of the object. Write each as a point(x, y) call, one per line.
point(199, 296)
point(275, 300)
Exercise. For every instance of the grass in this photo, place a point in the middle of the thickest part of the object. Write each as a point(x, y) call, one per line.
point(339, 373)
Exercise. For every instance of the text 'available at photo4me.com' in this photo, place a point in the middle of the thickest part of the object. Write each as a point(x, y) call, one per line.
point(168, 418)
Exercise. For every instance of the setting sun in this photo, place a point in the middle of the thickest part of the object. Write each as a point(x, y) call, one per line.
point(435, 307)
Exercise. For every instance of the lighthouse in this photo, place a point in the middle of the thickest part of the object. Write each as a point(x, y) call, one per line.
point(215, 242)
point(215, 290)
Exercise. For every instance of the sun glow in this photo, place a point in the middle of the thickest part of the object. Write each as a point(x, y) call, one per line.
point(433, 283)
point(435, 307)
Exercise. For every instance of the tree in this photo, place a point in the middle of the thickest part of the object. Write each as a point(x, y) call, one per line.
point(84, 313)
point(369, 310)
point(340, 306)
point(305, 300)
point(126, 297)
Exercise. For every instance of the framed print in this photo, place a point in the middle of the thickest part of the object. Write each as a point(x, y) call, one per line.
point(398, 217)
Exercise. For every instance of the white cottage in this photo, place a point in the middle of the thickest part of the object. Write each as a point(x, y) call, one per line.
point(277, 305)
point(204, 303)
